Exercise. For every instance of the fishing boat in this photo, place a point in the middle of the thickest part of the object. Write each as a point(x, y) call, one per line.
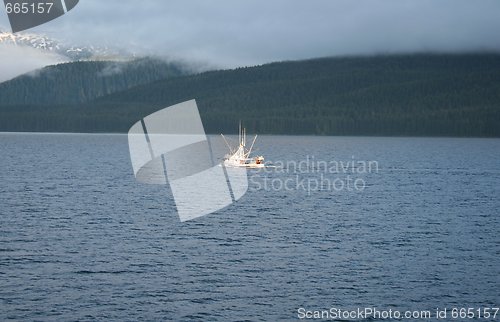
point(240, 157)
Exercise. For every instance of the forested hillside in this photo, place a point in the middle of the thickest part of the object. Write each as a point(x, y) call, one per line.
point(82, 81)
point(425, 94)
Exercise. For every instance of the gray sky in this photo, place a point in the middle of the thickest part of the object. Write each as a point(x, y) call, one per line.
point(230, 33)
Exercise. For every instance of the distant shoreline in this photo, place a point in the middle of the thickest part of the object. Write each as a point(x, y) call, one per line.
point(420, 95)
point(264, 135)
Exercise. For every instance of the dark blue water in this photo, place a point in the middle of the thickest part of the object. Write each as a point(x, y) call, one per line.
point(81, 240)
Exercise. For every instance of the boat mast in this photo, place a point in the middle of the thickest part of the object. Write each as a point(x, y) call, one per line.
point(239, 134)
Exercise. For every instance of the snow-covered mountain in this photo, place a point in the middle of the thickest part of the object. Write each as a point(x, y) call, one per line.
point(70, 51)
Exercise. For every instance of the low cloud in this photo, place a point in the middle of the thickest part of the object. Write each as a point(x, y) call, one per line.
point(232, 33)
point(18, 60)
point(229, 33)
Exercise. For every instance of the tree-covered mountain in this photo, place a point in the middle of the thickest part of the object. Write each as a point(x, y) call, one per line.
point(83, 81)
point(424, 94)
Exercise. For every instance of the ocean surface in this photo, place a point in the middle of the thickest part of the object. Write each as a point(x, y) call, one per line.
point(80, 239)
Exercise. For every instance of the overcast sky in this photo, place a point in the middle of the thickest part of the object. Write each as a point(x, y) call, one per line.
point(231, 33)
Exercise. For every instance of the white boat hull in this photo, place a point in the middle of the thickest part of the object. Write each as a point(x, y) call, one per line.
point(243, 165)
